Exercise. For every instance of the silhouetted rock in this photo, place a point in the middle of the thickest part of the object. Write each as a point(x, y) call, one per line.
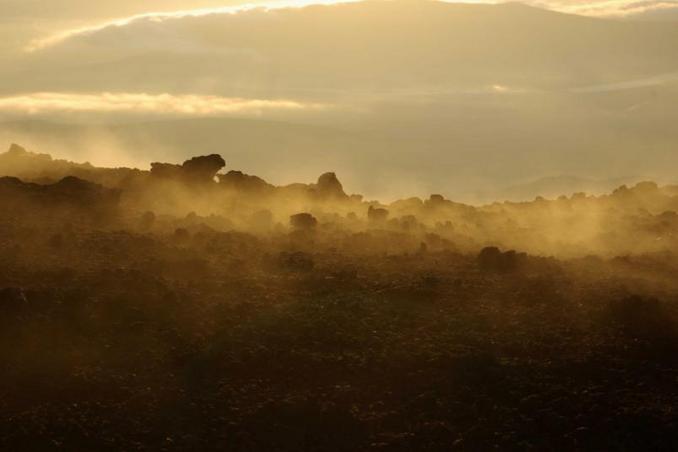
point(303, 221)
point(18, 156)
point(328, 186)
point(646, 187)
point(201, 169)
point(15, 150)
point(237, 180)
point(166, 170)
point(377, 214)
point(492, 259)
point(10, 182)
point(204, 168)
point(436, 199)
point(42, 168)
point(70, 191)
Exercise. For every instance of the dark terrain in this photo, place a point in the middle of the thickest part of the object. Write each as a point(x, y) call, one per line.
point(161, 310)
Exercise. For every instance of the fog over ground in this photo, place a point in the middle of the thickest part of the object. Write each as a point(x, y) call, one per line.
point(338, 225)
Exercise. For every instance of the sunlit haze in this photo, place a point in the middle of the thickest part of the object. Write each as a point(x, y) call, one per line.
point(338, 225)
point(459, 98)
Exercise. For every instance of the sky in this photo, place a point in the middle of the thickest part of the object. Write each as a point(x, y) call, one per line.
point(26, 21)
point(438, 96)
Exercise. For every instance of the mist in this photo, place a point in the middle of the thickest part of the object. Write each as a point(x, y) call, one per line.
point(338, 226)
point(461, 100)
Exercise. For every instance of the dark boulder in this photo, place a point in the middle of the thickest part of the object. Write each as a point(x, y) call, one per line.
point(303, 221)
point(492, 259)
point(166, 170)
point(377, 214)
point(436, 199)
point(328, 186)
point(237, 180)
point(71, 192)
point(199, 170)
point(203, 168)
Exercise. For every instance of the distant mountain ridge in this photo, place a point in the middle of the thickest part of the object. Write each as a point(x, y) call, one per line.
point(554, 186)
point(33, 167)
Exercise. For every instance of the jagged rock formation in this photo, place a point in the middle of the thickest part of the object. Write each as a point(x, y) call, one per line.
point(239, 181)
point(201, 169)
point(42, 168)
point(328, 186)
point(436, 199)
point(19, 162)
point(166, 170)
point(249, 203)
point(67, 194)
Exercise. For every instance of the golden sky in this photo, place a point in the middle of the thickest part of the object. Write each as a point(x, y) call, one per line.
point(40, 19)
point(457, 93)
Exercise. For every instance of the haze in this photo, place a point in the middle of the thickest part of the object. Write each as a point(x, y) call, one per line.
point(338, 225)
point(400, 98)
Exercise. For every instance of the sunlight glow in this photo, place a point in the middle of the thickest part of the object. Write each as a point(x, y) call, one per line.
point(146, 103)
point(163, 16)
point(604, 8)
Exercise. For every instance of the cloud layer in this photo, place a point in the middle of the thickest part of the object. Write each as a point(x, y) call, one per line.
point(164, 16)
point(606, 8)
point(38, 103)
point(597, 8)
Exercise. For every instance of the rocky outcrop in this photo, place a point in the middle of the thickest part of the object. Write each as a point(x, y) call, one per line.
point(239, 181)
point(70, 192)
point(202, 169)
point(328, 186)
point(377, 214)
point(303, 221)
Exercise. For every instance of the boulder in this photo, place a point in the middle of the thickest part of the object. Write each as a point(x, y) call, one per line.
point(203, 168)
point(377, 214)
point(237, 180)
point(328, 186)
point(303, 221)
point(492, 259)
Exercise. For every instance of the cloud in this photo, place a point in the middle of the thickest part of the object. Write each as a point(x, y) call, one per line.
point(647, 82)
point(189, 105)
point(600, 8)
point(349, 54)
point(164, 16)
point(606, 8)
